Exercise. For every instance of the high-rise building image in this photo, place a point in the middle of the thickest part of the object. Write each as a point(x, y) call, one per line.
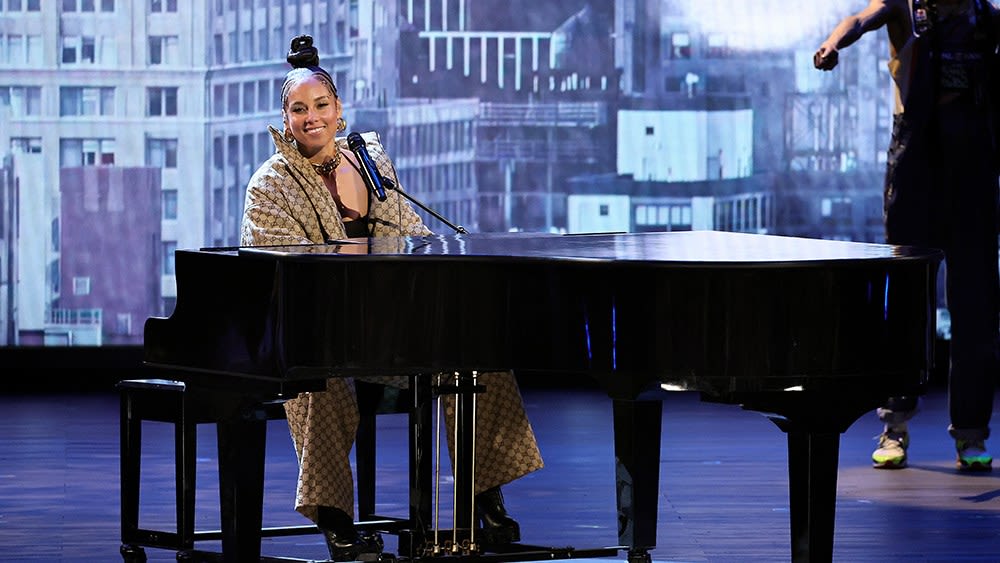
point(566, 117)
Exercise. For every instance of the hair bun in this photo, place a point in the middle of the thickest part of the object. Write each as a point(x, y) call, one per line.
point(302, 53)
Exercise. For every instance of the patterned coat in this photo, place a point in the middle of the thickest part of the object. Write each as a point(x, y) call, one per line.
point(288, 203)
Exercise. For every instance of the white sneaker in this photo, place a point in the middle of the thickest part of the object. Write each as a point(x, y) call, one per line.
point(891, 451)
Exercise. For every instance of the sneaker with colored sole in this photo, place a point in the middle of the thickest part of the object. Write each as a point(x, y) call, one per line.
point(891, 451)
point(972, 456)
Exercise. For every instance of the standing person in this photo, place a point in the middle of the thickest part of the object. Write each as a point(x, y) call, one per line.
point(941, 191)
point(311, 191)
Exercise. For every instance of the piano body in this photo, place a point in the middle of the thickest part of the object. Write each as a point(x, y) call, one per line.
point(812, 333)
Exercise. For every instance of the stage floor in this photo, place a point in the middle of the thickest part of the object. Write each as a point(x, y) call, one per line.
point(723, 484)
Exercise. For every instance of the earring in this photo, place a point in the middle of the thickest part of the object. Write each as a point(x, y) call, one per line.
point(288, 136)
point(341, 124)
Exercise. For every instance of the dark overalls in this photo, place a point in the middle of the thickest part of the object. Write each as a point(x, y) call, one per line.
point(941, 191)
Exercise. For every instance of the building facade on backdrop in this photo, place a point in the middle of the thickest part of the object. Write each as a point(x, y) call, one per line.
point(128, 129)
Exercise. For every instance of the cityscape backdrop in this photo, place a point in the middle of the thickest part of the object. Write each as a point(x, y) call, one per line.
point(128, 129)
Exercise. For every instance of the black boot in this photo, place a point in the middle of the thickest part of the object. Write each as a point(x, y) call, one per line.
point(497, 526)
point(343, 539)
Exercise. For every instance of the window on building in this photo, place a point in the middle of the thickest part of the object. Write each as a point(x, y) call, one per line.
point(169, 203)
point(234, 48)
point(70, 50)
point(217, 49)
point(717, 46)
point(162, 101)
point(666, 217)
point(169, 248)
point(249, 89)
point(79, 50)
point(263, 53)
point(673, 83)
point(88, 51)
point(86, 152)
point(86, 100)
point(26, 145)
point(22, 100)
point(265, 146)
point(16, 49)
point(836, 210)
point(123, 324)
point(264, 97)
point(163, 50)
point(352, 18)
point(340, 39)
point(725, 84)
point(81, 285)
point(160, 6)
point(291, 20)
point(233, 99)
point(217, 217)
point(323, 28)
point(53, 276)
point(232, 156)
point(23, 5)
point(161, 153)
point(247, 157)
point(218, 155)
point(246, 47)
point(680, 45)
point(218, 97)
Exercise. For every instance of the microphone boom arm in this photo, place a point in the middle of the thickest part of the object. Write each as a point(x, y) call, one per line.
point(392, 186)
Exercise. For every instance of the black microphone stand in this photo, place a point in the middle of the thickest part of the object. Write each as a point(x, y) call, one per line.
point(392, 186)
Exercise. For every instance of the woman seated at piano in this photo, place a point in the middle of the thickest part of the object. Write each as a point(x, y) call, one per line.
point(311, 191)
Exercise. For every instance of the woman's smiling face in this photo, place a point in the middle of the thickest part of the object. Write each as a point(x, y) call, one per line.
point(311, 115)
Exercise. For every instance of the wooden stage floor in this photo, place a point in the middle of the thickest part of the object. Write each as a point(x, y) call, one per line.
point(723, 493)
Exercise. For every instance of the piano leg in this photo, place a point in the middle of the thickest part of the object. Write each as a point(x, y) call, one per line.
point(241, 486)
point(814, 424)
point(637, 474)
point(812, 487)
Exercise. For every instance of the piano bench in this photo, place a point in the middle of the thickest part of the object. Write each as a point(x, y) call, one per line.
point(164, 400)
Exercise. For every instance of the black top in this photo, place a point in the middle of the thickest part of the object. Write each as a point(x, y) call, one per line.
point(357, 228)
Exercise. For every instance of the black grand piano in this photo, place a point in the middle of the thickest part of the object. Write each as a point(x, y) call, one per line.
point(812, 333)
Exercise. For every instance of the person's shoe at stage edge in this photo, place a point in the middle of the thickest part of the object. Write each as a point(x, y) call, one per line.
point(891, 450)
point(496, 525)
point(972, 456)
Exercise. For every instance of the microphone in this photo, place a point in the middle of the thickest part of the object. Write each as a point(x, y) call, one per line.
point(369, 172)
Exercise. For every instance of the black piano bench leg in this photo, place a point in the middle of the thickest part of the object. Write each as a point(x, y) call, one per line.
point(132, 553)
point(639, 556)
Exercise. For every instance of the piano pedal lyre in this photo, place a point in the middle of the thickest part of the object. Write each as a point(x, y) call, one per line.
point(456, 545)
